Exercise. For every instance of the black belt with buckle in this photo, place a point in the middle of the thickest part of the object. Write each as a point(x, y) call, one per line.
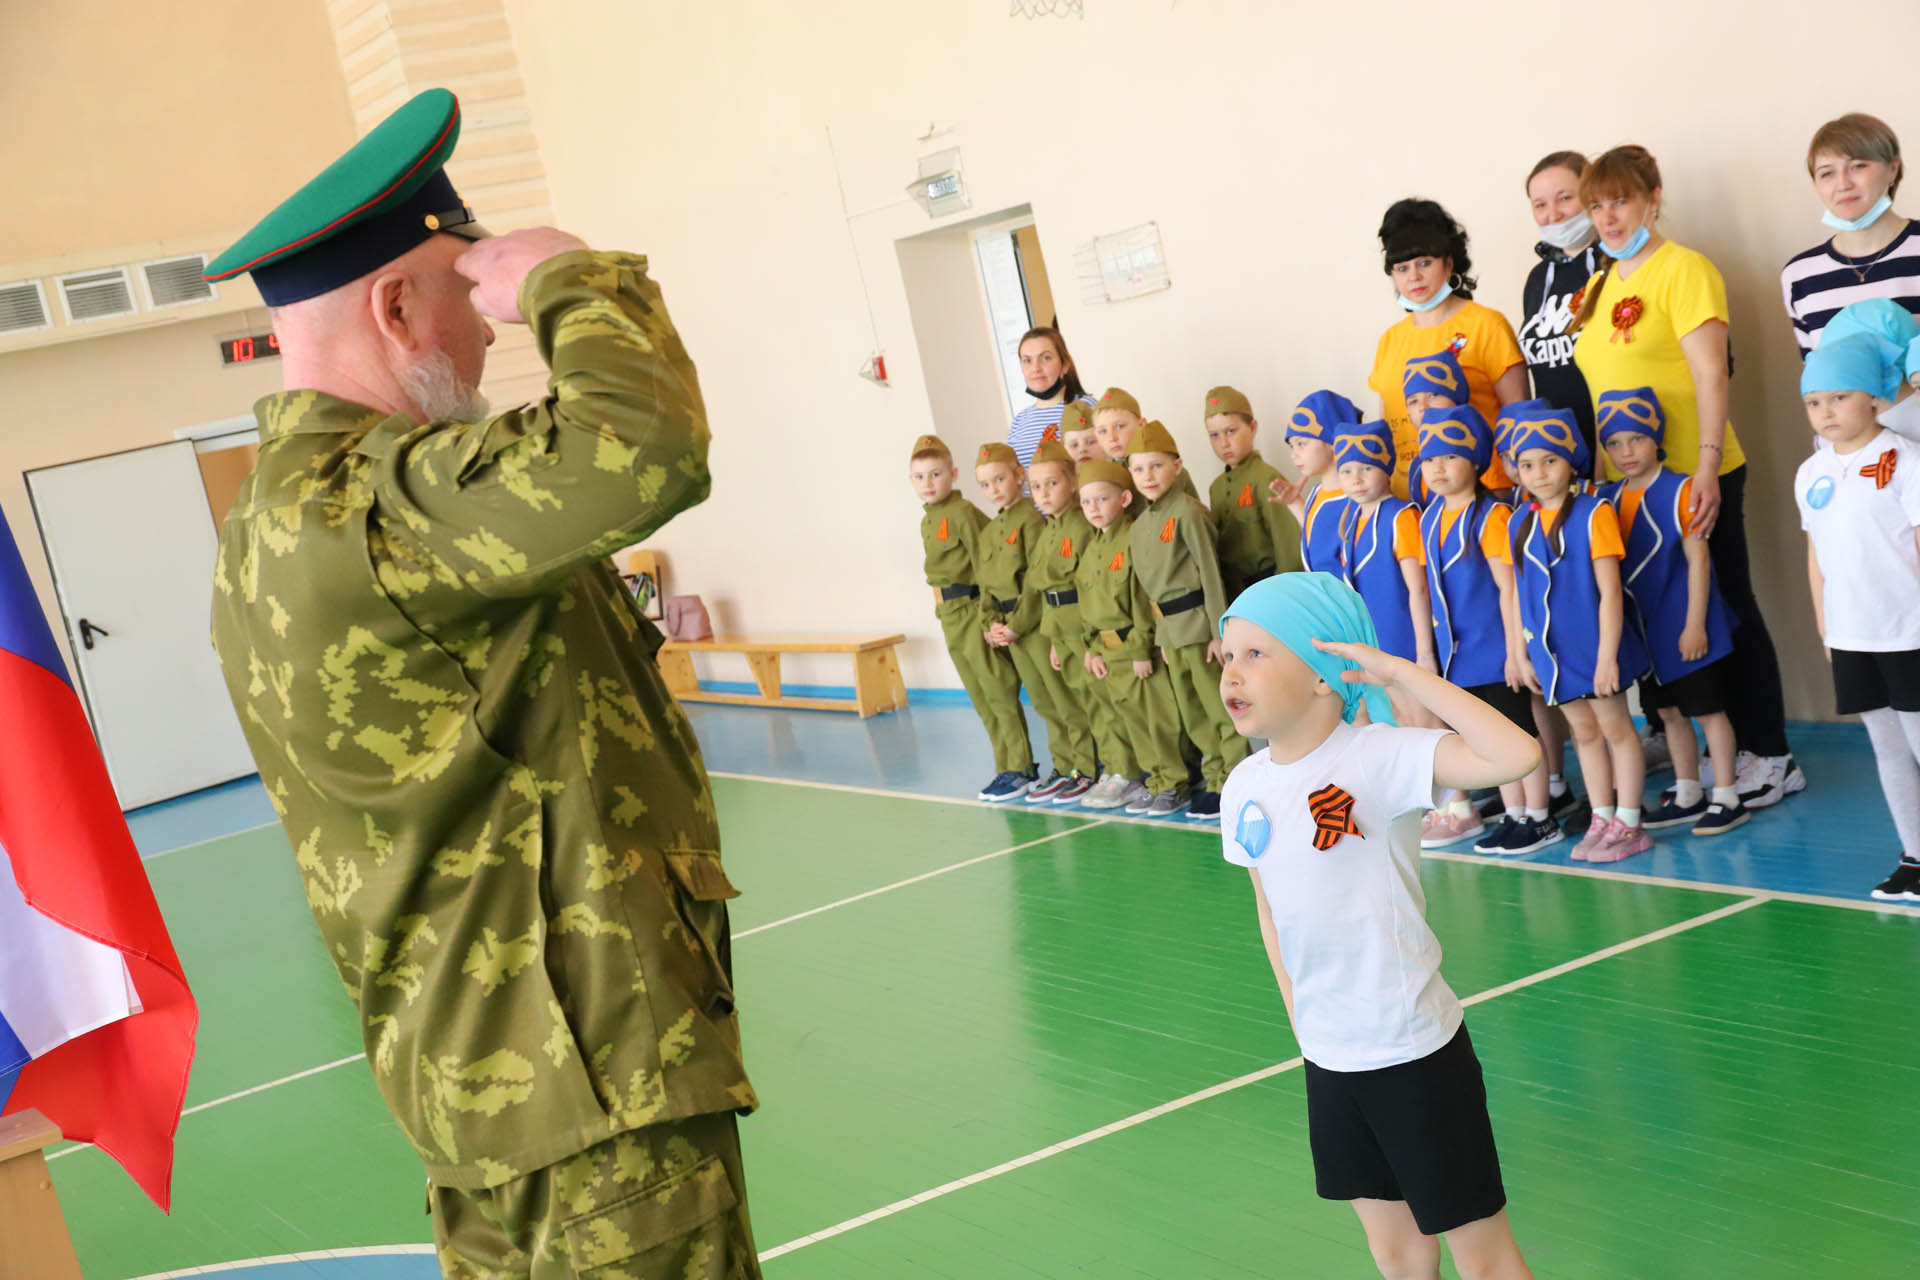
point(965, 591)
point(1006, 606)
point(1180, 604)
point(1058, 598)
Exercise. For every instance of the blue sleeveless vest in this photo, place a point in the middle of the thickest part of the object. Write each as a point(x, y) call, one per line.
point(1560, 604)
point(1469, 637)
point(1320, 533)
point(1370, 568)
point(1655, 575)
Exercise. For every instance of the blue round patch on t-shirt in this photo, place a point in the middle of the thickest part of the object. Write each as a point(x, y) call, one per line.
point(1821, 493)
point(1253, 830)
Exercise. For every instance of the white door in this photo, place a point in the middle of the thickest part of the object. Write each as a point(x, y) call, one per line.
point(131, 542)
point(1008, 310)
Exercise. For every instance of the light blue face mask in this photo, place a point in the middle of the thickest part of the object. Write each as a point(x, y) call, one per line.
point(1635, 243)
point(1446, 291)
point(1862, 222)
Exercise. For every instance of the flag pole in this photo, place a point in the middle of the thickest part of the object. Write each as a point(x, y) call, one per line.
point(30, 1218)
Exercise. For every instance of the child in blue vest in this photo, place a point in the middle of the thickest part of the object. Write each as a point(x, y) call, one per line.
point(1316, 501)
point(1672, 598)
point(1581, 654)
point(1380, 553)
point(1464, 534)
point(1430, 383)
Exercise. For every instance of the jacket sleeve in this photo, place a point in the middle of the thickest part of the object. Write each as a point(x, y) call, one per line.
point(1283, 532)
point(972, 521)
point(1026, 618)
point(1197, 535)
point(1139, 642)
point(516, 504)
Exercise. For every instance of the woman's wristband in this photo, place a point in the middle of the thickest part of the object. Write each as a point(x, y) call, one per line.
point(1716, 448)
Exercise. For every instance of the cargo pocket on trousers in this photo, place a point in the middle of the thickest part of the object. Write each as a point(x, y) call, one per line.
point(681, 1212)
point(701, 890)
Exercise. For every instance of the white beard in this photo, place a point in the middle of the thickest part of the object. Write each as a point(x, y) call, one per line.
point(439, 394)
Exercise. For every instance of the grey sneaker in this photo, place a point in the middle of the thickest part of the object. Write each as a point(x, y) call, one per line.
point(1136, 797)
point(1106, 794)
point(1167, 803)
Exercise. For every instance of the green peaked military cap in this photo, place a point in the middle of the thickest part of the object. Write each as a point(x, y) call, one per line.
point(1153, 437)
point(387, 195)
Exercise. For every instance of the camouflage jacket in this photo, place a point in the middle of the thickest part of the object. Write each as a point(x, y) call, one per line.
point(500, 815)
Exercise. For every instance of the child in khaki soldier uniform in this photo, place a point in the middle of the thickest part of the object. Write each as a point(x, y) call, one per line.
point(1173, 556)
point(1116, 623)
point(1078, 435)
point(1052, 559)
point(1256, 538)
point(949, 531)
point(1010, 615)
point(1116, 417)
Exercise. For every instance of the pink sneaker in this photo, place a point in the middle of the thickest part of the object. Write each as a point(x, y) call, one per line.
point(1622, 842)
point(1596, 836)
point(1441, 828)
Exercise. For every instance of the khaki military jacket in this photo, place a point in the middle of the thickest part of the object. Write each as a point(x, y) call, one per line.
point(1111, 599)
point(500, 816)
point(1052, 563)
point(1173, 555)
point(1252, 534)
point(1006, 544)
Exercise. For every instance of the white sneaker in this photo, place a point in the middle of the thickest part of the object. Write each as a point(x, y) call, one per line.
point(1136, 799)
point(1106, 793)
point(1747, 772)
point(1775, 778)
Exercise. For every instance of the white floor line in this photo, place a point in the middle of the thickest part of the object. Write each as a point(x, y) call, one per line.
point(1226, 1086)
point(316, 1255)
point(1004, 806)
point(925, 875)
point(198, 844)
point(1440, 855)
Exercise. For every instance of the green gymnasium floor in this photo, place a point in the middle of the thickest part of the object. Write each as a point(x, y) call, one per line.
point(1008, 1043)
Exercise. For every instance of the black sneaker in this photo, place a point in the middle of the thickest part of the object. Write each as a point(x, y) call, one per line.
point(1560, 806)
point(1204, 806)
point(1531, 837)
point(1669, 814)
point(1902, 886)
point(1497, 835)
point(1487, 802)
point(1720, 819)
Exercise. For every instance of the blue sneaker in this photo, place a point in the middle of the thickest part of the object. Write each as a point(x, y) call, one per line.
point(1008, 786)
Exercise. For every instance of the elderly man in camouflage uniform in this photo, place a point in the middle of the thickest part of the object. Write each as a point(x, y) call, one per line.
point(500, 815)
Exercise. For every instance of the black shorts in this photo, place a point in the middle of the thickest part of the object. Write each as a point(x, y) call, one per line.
point(1870, 681)
point(1701, 692)
point(1515, 704)
point(1416, 1132)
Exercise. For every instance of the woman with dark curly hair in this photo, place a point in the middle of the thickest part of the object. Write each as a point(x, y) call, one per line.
point(1424, 253)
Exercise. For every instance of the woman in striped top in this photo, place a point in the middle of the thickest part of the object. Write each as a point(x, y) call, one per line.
point(1052, 381)
point(1875, 252)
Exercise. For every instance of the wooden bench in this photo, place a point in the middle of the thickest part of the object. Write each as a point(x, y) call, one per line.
point(877, 683)
point(33, 1233)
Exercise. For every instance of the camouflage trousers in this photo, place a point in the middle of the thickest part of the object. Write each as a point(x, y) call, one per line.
point(667, 1202)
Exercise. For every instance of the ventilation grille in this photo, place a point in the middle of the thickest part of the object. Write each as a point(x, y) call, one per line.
point(95, 295)
point(23, 307)
point(173, 281)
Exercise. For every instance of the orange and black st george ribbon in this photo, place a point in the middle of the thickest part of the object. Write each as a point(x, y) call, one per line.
point(1332, 809)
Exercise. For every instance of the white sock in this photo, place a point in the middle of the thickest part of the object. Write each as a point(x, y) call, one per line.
point(1602, 811)
point(1726, 796)
point(1461, 808)
point(1899, 771)
point(1556, 785)
point(1535, 815)
point(1686, 792)
point(1628, 817)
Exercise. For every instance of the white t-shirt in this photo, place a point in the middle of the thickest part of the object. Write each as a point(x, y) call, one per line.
point(1862, 527)
point(1351, 918)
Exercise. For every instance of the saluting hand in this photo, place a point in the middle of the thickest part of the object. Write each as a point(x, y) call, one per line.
point(1375, 666)
point(498, 265)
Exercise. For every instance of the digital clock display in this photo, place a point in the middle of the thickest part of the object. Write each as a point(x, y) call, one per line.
point(255, 346)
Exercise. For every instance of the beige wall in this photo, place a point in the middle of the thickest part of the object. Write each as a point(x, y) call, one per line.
point(1265, 139)
point(952, 339)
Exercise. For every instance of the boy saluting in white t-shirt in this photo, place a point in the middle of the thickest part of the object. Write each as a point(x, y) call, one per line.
point(1327, 819)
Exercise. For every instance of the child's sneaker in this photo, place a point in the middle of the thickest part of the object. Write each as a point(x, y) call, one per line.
point(1721, 819)
point(1565, 807)
point(1047, 788)
point(1531, 837)
point(1442, 827)
point(1496, 836)
point(1007, 786)
point(1621, 842)
point(1136, 798)
point(1166, 803)
point(1669, 814)
point(1596, 833)
point(1902, 886)
point(1204, 807)
point(1487, 802)
point(1657, 752)
point(1769, 780)
point(1077, 788)
point(1106, 793)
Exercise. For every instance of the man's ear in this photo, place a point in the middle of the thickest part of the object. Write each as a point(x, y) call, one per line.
point(392, 303)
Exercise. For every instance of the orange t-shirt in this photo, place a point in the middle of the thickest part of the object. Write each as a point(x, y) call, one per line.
point(1628, 500)
point(1494, 544)
point(1406, 534)
point(1484, 342)
point(1606, 532)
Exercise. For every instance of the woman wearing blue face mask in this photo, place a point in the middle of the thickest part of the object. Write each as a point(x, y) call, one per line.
point(1874, 252)
point(1569, 252)
point(1656, 316)
point(1425, 255)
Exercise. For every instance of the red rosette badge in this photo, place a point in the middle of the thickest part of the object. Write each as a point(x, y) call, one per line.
point(1626, 314)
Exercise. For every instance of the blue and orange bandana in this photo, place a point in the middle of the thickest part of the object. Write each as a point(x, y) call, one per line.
point(1368, 442)
point(1456, 431)
point(1321, 416)
point(1551, 429)
point(1637, 409)
point(1439, 374)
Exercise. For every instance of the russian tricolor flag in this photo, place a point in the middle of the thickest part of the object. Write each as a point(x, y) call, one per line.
point(96, 1021)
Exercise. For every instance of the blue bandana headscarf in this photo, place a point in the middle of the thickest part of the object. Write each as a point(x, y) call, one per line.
point(1457, 431)
point(1509, 418)
point(1439, 374)
point(1636, 409)
point(1369, 442)
point(1321, 416)
point(1850, 363)
point(1889, 324)
point(1551, 429)
point(1298, 608)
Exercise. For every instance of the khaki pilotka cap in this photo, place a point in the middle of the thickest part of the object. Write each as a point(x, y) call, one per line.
point(1115, 398)
point(1153, 437)
point(1104, 471)
point(997, 453)
point(1077, 416)
point(930, 444)
point(1052, 451)
point(1227, 400)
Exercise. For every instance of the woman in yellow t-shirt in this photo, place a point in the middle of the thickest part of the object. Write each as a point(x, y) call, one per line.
point(1425, 254)
point(1655, 315)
